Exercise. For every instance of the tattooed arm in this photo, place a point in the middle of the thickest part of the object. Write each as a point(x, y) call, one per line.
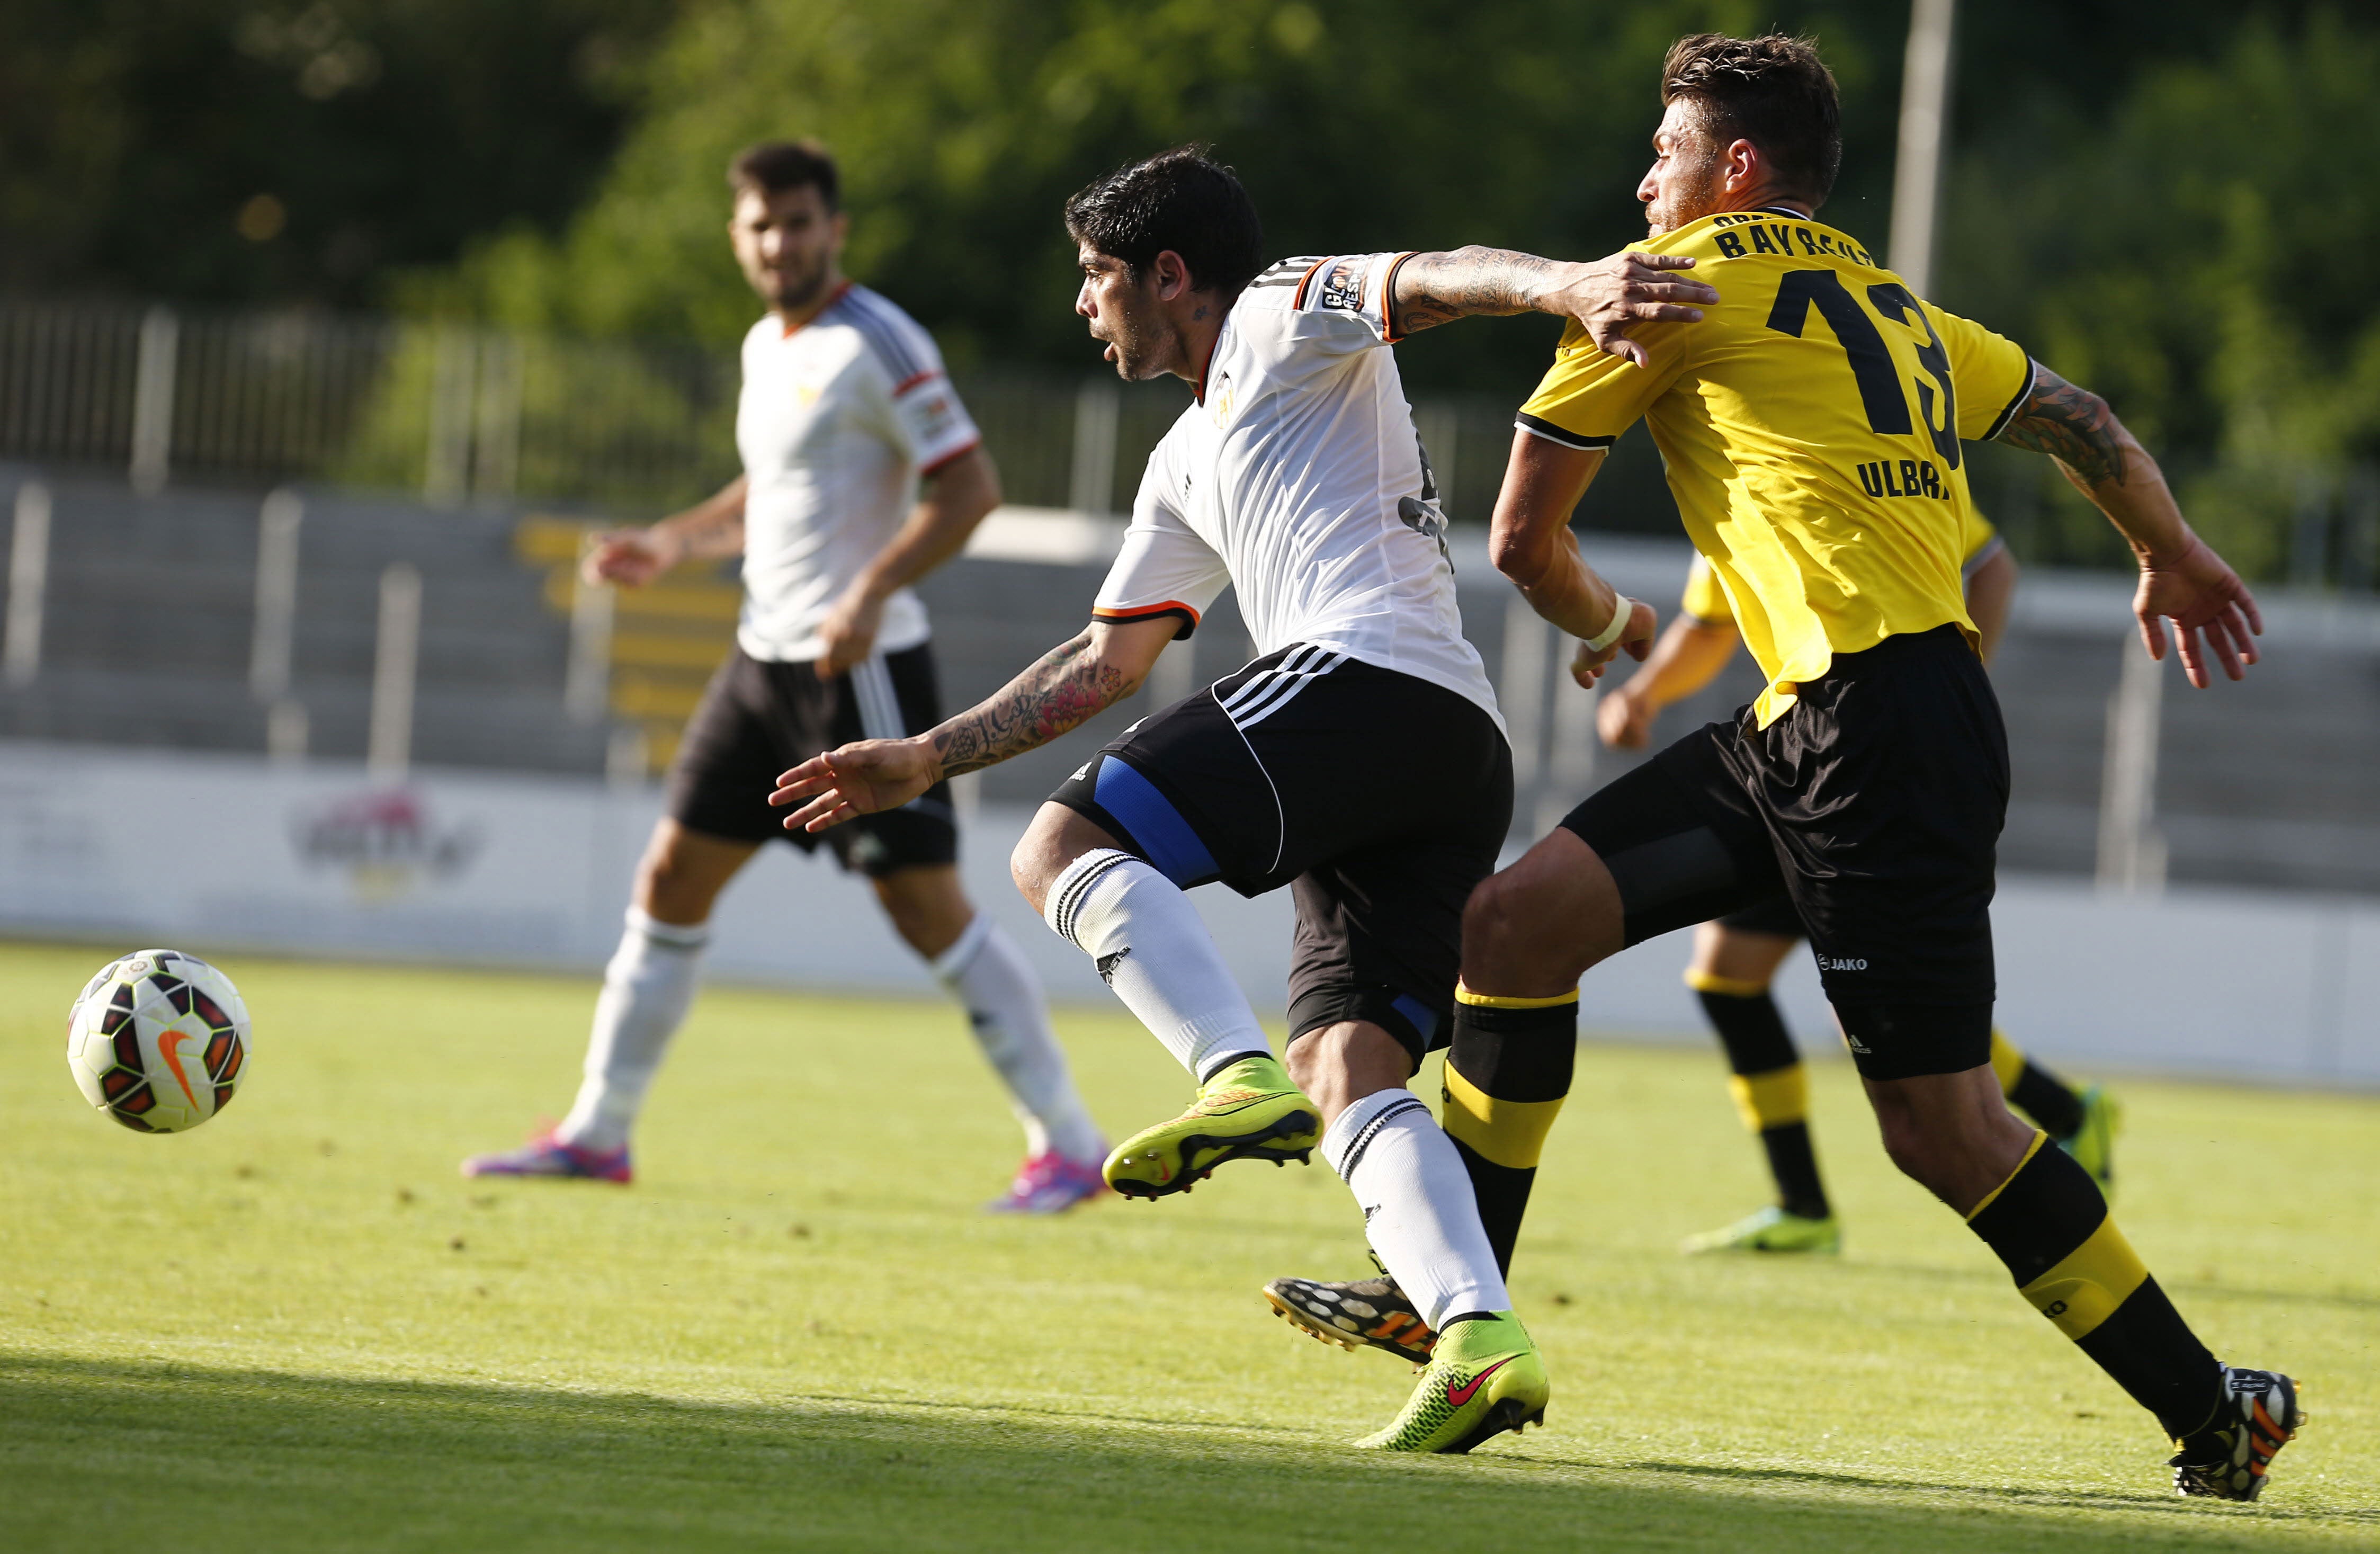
point(2182, 578)
point(1072, 682)
point(1607, 298)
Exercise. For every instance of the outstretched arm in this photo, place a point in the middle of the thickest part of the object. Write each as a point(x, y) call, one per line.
point(711, 529)
point(1072, 682)
point(1608, 297)
point(2181, 577)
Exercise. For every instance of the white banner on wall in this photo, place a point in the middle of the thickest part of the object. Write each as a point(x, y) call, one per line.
point(128, 848)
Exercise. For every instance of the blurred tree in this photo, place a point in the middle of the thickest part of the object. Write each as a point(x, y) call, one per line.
point(295, 150)
point(961, 125)
point(2210, 260)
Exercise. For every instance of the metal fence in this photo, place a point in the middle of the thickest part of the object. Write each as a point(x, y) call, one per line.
point(457, 414)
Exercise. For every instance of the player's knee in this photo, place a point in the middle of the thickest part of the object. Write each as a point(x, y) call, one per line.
point(1939, 1159)
point(1034, 865)
point(672, 889)
point(1338, 1065)
point(1910, 1146)
point(1055, 839)
point(1307, 1059)
point(1512, 911)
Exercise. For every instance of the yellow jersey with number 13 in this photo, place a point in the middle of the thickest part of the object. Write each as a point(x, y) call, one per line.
point(1811, 424)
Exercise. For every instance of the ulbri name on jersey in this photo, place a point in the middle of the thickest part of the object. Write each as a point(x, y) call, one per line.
point(1908, 477)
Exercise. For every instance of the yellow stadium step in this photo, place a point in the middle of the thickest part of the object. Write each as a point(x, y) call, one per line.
point(667, 638)
point(657, 649)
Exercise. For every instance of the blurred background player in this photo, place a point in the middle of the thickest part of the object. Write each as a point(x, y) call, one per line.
point(1736, 956)
point(862, 473)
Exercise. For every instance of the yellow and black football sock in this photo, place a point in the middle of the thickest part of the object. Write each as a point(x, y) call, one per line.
point(2048, 1223)
point(1770, 1088)
point(1506, 1072)
point(2051, 1103)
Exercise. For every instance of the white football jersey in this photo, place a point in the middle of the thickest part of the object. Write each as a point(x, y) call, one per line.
point(1296, 477)
point(838, 419)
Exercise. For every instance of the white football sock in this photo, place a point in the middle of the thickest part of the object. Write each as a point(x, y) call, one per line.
point(647, 990)
point(990, 976)
point(1156, 953)
point(1419, 1210)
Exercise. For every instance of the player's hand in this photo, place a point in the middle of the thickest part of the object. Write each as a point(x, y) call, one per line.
point(631, 557)
point(1626, 719)
point(2199, 592)
point(849, 632)
point(1636, 640)
point(1612, 295)
point(863, 779)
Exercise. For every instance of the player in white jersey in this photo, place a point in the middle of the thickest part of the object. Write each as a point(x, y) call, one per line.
point(1359, 761)
point(861, 474)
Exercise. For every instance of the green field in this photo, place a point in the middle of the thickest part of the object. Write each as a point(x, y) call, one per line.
point(297, 1328)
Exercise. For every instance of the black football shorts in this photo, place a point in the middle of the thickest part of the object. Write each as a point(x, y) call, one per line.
point(1380, 799)
point(1872, 808)
point(758, 719)
point(1776, 916)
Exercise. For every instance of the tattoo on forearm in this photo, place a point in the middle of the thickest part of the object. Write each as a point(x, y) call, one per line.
point(2073, 426)
point(1062, 690)
point(1435, 289)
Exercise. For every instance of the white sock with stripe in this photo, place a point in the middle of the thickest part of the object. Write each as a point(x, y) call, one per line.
point(995, 983)
point(648, 987)
point(1155, 953)
point(1419, 1211)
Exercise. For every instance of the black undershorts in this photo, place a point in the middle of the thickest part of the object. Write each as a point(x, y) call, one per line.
point(1776, 916)
point(1873, 810)
point(761, 717)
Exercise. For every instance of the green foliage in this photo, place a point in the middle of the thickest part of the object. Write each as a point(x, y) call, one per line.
point(634, 426)
point(963, 125)
point(292, 151)
point(2210, 261)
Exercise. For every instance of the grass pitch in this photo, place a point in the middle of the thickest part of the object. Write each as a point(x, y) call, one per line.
point(297, 1328)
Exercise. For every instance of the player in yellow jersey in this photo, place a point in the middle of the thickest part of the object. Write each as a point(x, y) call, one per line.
point(1736, 956)
point(1812, 424)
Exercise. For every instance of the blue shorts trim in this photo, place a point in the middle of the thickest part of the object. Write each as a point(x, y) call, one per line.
point(1172, 847)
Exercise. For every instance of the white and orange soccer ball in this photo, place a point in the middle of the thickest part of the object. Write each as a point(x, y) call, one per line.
point(158, 1040)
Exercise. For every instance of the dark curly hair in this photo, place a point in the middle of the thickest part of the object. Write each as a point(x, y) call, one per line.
point(1181, 199)
point(1772, 91)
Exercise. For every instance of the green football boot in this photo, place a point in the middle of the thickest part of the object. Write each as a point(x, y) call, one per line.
point(1248, 1112)
point(1484, 1377)
point(2093, 1143)
point(1771, 1230)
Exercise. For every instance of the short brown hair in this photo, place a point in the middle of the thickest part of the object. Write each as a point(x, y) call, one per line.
point(1772, 91)
point(774, 166)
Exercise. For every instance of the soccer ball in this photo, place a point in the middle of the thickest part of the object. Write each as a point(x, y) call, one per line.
point(158, 1040)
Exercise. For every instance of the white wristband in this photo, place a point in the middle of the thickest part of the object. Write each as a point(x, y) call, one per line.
point(1621, 616)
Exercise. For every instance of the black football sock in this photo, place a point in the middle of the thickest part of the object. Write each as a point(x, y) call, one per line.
point(2048, 1223)
point(1506, 1072)
point(1771, 1090)
point(2054, 1105)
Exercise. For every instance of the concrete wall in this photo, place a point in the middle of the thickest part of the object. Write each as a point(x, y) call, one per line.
point(224, 852)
